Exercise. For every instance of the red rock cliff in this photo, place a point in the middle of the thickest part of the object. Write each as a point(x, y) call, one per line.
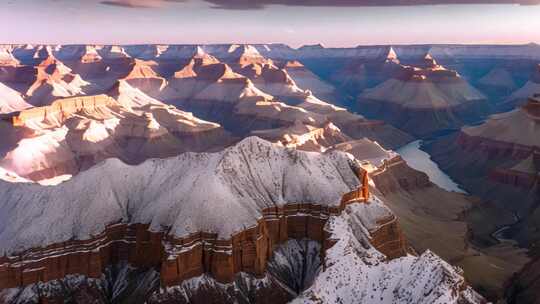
point(183, 258)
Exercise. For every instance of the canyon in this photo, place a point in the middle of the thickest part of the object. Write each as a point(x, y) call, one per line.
point(253, 173)
point(182, 258)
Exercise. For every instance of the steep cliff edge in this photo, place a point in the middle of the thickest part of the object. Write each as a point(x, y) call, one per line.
point(258, 187)
point(496, 161)
point(436, 219)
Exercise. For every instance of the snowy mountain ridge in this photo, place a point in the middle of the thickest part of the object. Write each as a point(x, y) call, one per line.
point(189, 193)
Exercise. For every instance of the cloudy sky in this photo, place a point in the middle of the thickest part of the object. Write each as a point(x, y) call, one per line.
point(295, 22)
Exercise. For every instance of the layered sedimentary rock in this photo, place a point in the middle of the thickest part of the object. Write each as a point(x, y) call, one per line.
point(305, 137)
point(438, 220)
point(243, 90)
point(351, 277)
point(498, 161)
point(54, 80)
point(308, 80)
point(186, 247)
point(424, 100)
point(200, 87)
point(73, 134)
point(362, 73)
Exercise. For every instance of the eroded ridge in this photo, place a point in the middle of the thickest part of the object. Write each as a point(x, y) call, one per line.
point(182, 258)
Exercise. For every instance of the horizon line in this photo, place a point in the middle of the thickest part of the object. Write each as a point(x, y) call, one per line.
point(275, 43)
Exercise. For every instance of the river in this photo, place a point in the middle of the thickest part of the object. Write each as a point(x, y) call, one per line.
point(421, 161)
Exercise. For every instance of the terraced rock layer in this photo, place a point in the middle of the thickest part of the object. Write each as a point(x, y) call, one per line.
point(183, 258)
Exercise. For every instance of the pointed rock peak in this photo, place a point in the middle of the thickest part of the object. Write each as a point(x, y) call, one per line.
point(90, 55)
point(188, 71)
point(241, 49)
point(246, 54)
point(391, 55)
point(199, 52)
point(200, 57)
point(429, 61)
point(253, 143)
point(142, 69)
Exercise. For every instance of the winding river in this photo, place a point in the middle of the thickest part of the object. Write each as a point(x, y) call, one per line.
point(421, 161)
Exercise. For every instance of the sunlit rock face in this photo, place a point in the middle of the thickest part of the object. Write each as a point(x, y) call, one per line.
point(73, 134)
point(295, 215)
point(233, 85)
point(360, 232)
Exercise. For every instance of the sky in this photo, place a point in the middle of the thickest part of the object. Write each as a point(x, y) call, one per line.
point(338, 23)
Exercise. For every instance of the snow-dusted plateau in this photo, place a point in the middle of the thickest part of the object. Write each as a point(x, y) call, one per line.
point(237, 173)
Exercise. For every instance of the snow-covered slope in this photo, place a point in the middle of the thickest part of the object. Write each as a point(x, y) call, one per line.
point(221, 192)
point(357, 273)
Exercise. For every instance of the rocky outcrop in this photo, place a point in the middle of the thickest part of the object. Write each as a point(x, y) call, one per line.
point(423, 101)
point(496, 161)
point(73, 134)
point(182, 258)
point(395, 175)
point(62, 109)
